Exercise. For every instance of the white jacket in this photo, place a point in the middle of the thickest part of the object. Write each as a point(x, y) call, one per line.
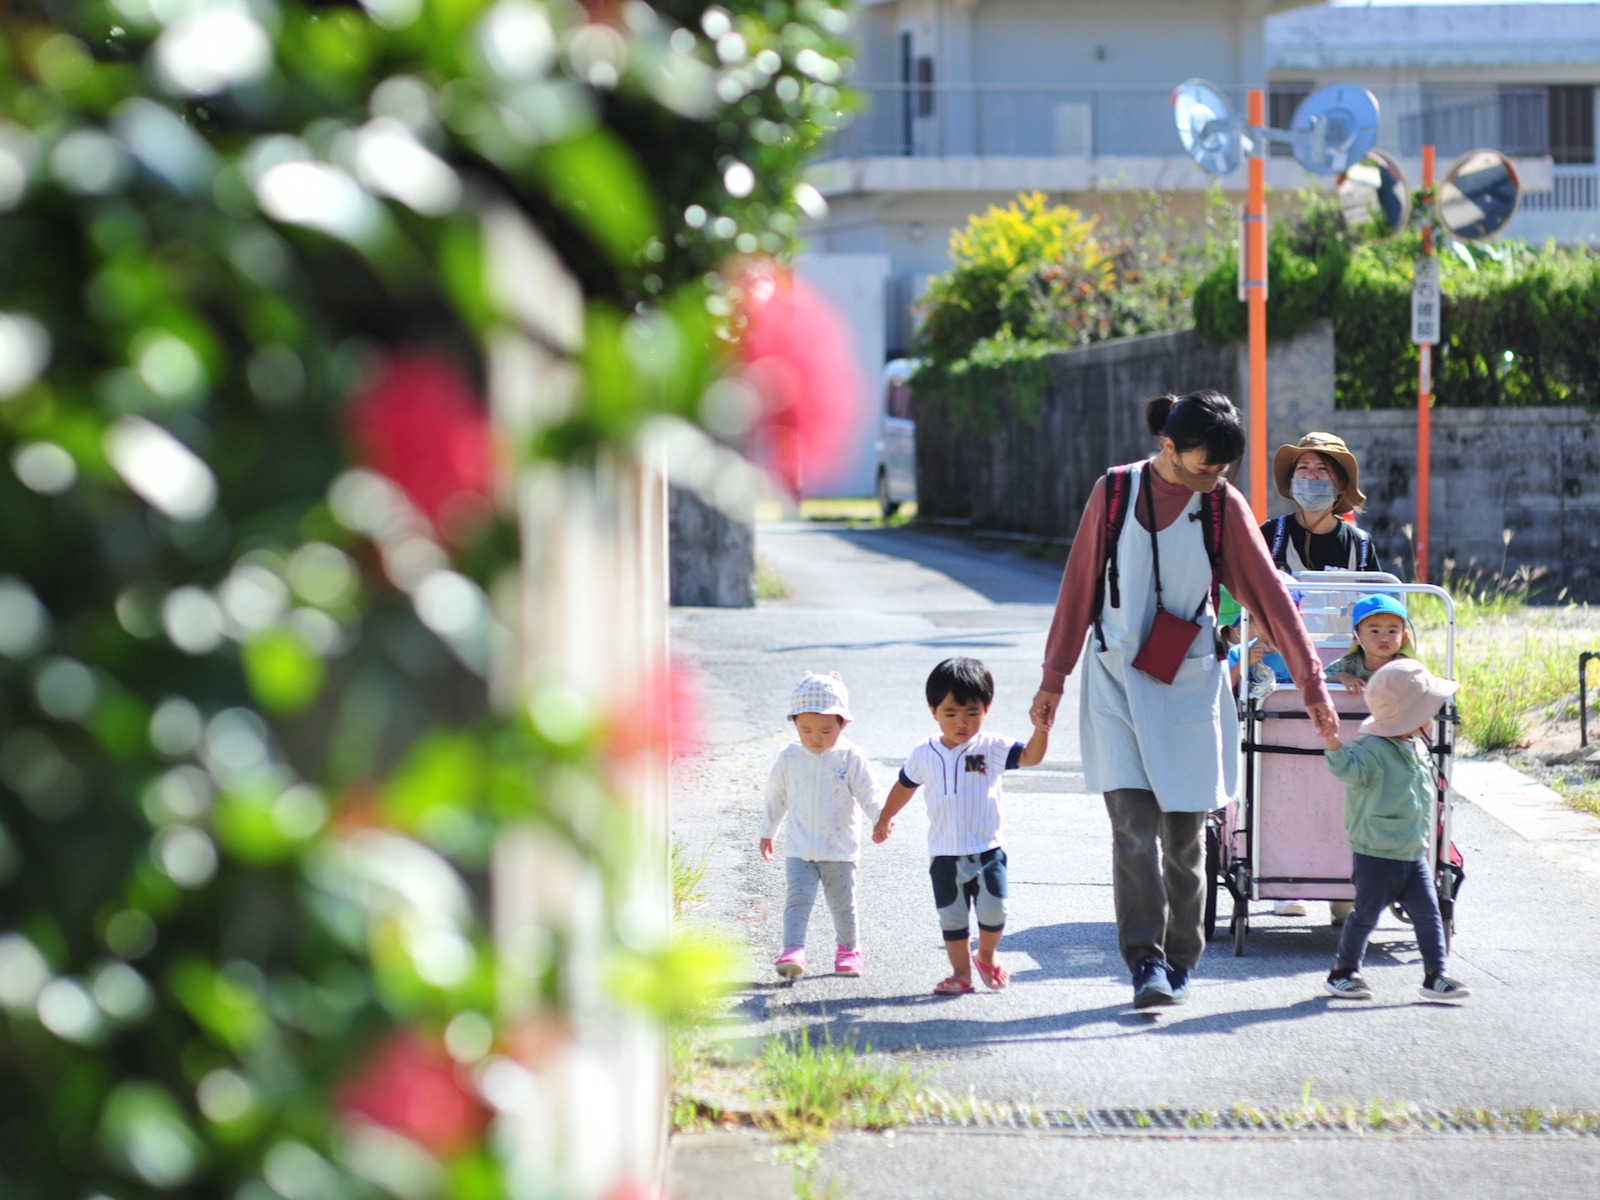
point(821, 792)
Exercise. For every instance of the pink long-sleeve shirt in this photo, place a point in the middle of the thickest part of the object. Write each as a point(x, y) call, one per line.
point(1246, 569)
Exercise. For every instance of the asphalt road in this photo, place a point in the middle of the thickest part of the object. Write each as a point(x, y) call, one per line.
point(881, 607)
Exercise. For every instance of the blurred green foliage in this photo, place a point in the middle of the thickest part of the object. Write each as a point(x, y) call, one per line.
point(249, 779)
point(1516, 319)
point(1033, 279)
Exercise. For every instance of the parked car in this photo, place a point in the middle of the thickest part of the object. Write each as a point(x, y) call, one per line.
point(897, 438)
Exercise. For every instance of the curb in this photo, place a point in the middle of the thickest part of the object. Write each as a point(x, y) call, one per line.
point(1532, 811)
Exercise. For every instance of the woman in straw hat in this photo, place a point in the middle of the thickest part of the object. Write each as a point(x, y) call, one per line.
point(1323, 479)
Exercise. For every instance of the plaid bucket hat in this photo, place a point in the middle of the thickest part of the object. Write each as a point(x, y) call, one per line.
point(816, 693)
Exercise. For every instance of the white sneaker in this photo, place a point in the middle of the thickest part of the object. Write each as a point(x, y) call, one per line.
point(1289, 908)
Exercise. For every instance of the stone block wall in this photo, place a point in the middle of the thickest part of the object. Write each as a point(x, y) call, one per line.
point(1532, 471)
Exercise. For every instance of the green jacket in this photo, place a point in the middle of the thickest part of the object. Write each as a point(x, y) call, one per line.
point(1389, 795)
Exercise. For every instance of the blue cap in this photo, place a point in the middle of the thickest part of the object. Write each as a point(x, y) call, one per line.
point(1378, 602)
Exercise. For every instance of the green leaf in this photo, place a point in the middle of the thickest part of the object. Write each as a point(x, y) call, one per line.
point(596, 179)
point(229, 1013)
point(283, 672)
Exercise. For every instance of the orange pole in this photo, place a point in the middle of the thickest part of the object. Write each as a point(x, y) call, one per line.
point(1255, 276)
point(1424, 384)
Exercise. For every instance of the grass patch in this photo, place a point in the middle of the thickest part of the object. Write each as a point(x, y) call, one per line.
point(849, 511)
point(769, 584)
point(819, 1088)
point(800, 1090)
point(1585, 797)
point(1513, 664)
point(688, 879)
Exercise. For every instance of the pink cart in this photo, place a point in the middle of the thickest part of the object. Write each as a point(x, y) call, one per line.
point(1284, 838)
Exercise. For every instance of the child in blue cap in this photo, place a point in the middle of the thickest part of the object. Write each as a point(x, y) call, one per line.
point(1382, 634)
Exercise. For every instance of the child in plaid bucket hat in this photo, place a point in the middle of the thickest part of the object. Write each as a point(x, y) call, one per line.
point(819, 783)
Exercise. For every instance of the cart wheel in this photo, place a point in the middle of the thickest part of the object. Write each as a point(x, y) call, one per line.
point(1241, 926)
point(1213, 879)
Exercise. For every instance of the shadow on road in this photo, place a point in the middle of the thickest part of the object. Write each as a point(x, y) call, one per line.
point(999, 572)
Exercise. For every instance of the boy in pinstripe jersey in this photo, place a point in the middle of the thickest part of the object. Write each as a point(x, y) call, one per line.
point(961, 768)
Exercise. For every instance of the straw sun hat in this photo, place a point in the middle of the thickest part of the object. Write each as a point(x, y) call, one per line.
point(1323, 443)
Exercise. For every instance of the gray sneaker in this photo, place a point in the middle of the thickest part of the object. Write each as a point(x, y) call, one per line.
point(1442, 987)
point(1347, 985)
point(1150, 986)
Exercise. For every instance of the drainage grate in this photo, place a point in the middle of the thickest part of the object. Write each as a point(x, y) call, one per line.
point(1242, 1122)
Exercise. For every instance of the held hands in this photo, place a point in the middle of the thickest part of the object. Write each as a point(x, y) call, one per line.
point(1043, 709)
point(881, 830)
point(766, 849)
point(1325, 721)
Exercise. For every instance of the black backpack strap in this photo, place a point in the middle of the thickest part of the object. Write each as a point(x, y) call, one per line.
point(1213, 511)
point(1366, 559)
point(1117, 481)
point(1278, 542)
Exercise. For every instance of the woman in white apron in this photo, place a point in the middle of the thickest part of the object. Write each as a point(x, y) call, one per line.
point(1166, 753)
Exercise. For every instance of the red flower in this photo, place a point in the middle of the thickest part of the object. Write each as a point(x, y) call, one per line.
point(412, 1086)
point(419, 423)
point(798, 356)
point(655, 718)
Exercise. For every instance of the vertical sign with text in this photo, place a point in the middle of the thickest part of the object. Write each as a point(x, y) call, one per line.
point(1425, 303)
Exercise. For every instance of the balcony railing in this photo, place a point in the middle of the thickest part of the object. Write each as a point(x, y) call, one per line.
point(1575, 189)
point(1006, 120)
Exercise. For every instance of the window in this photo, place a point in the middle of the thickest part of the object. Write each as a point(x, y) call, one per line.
point(1282, 101)
point(1572, 123)
point(924, 87)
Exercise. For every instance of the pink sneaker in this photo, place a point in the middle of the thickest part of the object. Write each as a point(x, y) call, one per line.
point(848, 962)
point(791, 963)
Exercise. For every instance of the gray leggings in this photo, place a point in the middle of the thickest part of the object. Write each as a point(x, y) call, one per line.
point(838, 881)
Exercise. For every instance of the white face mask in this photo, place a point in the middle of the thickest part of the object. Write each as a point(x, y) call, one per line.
point(1314, 495)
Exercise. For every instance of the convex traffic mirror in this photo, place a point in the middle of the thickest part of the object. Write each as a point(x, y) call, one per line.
point(1373, 195)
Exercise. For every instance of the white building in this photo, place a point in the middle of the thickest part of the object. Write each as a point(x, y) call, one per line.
point(1519, 78)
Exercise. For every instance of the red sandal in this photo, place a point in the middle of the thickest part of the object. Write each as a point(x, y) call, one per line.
point(953, 985)
point(995, 977)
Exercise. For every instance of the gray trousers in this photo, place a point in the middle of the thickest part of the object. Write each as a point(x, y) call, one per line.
point(838, 881)
point(1158, 862)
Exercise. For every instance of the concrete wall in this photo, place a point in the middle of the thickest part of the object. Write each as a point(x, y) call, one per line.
point(1032, 474)
point(712, 557)
point(1532, 471)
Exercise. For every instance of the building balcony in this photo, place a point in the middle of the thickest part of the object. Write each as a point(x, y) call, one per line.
point(1057, 137)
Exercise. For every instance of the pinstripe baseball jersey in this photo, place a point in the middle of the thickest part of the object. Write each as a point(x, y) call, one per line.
point(962, 790)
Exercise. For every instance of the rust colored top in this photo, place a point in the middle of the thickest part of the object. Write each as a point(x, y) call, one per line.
point(1246, 569)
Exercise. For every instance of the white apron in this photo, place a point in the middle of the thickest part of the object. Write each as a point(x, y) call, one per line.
point(1178, 740)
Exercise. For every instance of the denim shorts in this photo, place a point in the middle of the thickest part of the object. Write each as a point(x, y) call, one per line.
point(963, 881)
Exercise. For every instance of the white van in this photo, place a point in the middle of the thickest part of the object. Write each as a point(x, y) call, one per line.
point(897, 438)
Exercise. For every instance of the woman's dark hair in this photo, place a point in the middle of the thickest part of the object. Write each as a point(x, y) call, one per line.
point(966, 679)
point(1205, 418)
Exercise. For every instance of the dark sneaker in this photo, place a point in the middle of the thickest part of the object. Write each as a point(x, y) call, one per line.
point(1150, 986)
point(1347, 985)
point(1178, 981)
point(1442, 987)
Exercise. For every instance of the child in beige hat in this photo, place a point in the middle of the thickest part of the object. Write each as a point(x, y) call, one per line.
point(1389, 809)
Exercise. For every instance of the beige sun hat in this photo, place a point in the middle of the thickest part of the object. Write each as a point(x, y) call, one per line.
point(1404, 695)
point(1284, 459)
